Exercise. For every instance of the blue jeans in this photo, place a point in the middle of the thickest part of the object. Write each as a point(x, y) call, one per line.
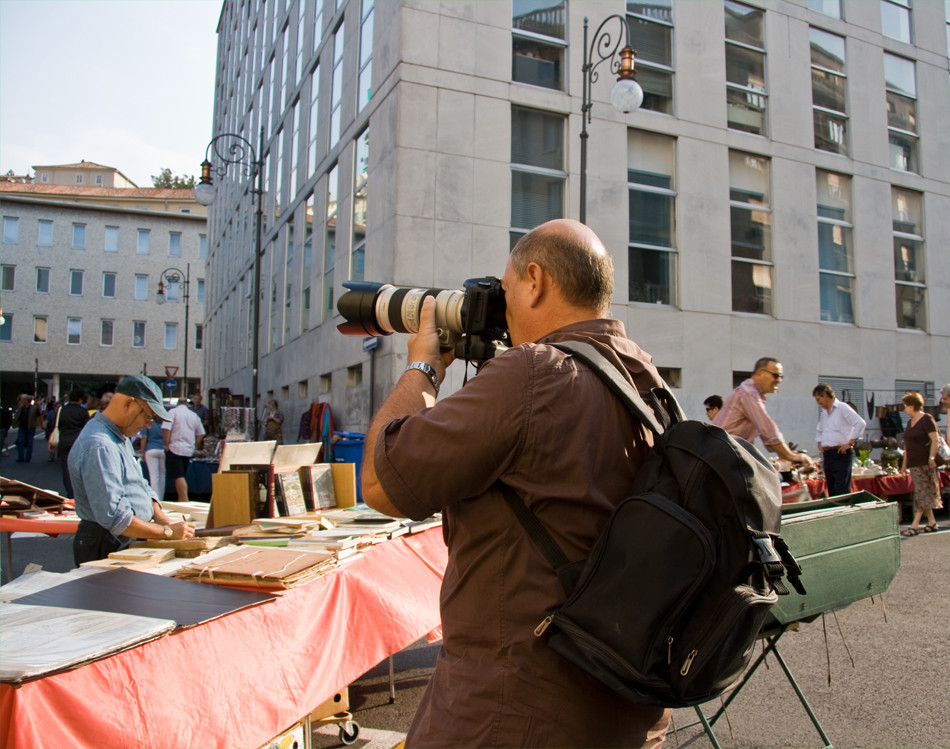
point(24, 444)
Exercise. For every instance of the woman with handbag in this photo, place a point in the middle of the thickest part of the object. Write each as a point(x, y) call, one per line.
point(52, 428)
point(920, 454)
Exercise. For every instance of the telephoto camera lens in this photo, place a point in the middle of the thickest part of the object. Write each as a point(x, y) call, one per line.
point(380, 309)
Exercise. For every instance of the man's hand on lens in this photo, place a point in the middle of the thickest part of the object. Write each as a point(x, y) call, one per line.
point(424, 346)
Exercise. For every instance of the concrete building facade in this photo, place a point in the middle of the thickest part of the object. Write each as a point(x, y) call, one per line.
point(81, 268)
point(783, 190)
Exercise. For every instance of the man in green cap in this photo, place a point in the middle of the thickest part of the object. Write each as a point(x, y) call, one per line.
point(113, 500)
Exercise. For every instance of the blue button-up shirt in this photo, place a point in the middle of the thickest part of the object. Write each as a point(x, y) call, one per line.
point(108, 483)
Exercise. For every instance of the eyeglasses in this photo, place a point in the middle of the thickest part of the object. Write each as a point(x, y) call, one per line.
point(776, 375)
point(709, 408)
point(145, 411)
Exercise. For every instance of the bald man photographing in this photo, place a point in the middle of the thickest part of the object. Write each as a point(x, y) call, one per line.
point(543, 423)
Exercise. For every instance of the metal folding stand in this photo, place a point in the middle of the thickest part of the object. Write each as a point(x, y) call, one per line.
point(771, 647)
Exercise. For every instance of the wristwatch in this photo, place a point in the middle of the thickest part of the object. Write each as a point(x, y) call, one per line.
point(428, 371)
point(168, 532)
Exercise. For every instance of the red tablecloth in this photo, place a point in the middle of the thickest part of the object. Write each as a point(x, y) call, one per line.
point(879, 486)
point(52, 526)
point(240, 680)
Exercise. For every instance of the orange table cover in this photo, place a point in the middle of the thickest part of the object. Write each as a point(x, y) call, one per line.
point(242, 679)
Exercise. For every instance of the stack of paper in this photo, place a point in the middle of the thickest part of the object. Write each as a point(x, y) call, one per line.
point(259, 567)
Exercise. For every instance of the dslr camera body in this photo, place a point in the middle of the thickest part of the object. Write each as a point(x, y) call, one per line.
point(470, 320)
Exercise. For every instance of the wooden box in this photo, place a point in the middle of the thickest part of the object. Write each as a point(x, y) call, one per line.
point(847, 552)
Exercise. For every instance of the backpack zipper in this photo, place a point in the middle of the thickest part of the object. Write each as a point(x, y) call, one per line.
point(545, 623)
point(688, 662)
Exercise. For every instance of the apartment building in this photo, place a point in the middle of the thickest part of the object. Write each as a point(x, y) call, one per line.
point(81, 268)
point(784, 188)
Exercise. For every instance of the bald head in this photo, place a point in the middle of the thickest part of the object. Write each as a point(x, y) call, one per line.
point(574, 258)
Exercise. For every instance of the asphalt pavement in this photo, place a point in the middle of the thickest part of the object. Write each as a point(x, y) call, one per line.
point(875, 673)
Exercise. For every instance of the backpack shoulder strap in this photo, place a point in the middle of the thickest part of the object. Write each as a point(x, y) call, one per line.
point(664, 402)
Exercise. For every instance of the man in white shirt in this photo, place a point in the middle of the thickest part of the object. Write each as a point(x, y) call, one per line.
point(182, 435)
point(839, 429)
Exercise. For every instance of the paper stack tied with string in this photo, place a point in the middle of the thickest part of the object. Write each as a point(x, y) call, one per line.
point(259, 567)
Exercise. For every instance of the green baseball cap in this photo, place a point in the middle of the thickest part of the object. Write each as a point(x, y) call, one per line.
point(138, 386)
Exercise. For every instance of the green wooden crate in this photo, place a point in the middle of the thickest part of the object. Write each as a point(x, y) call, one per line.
point(847, 552)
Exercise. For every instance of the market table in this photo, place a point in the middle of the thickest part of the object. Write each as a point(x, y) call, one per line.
point(51, 525)
point(242, 679)
point(879, 486)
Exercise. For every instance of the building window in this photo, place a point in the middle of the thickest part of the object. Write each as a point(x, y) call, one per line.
point(199, 336)
point(306, 265)
point(200, 292)
point(108, 285)
point(11, 230)
point(651, 31)
point(313, 122)
point(294, 149)
point(75, 282)
point(42, 280)
point(329, 252)
point(828, 7)
point(364, 84)
point(79, 236)
point(828, 96)
point(112, 239)
point(39, 329)
point(538, 43)
point(143, 239)
point(6, 327)
point(360, 196)
point(141, 287)
point(171, 336)
point(74, 331)
point(44, 233)
point(751, 221)
point(78, 179)
point(901, 84)
point(138, 334)
point(299, 49)
point(174, 244)
point(835, 254)
point(106, 330)
point(336, 86)
point(202, 246)
point(99, 180)
point(909, 275)
point(7, 277)
point(537, 169)
point(895, 19)
point(652, 217)
point(746, 92)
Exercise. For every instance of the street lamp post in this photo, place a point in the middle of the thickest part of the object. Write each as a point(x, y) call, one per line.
point(174, 276)
point(626, 95)
point(230, 148)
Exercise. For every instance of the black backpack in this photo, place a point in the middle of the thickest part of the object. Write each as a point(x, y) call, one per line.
point(667, 607)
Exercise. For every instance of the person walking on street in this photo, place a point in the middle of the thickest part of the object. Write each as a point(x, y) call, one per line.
point(182, 433)
point(920, 459)
point(743, 413)
point(496, 683)
point(113, 500)
point(204, 413)
point(274, 423)
point(839, 430)
point(24, 419)
point(72, 418)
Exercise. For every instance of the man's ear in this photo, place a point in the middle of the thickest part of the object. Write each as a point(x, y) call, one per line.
point(537, 283)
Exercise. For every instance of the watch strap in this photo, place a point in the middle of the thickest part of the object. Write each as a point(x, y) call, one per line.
point(428, 371)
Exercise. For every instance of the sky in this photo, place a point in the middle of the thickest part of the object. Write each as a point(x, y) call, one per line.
point(124, 83)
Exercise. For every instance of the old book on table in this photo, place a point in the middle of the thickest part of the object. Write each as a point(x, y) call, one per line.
point(318, 486)
point(259, 567)
point(289, 493)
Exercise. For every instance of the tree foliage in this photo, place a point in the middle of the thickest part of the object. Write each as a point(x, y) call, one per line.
point(174, 181)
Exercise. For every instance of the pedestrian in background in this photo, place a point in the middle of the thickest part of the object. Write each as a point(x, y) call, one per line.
point(52, 410)
point(713, 405)
point(24, 419)
point(839, 429)
point(182, 435)
point(153, 452)
point(274, 423)
point(72, 418)
point(6, 421)
point(920, 458)
point(743, 414)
